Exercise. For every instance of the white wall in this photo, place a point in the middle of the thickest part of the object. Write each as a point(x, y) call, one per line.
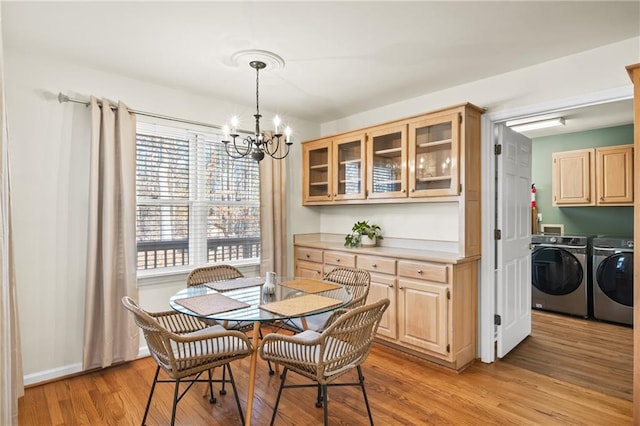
point(573, 76)
point(49, 152)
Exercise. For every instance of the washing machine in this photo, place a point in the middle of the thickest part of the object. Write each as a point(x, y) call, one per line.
point(613, 279)
point(560, 274)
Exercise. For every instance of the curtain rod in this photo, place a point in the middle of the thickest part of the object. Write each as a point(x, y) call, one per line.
point(64, 98)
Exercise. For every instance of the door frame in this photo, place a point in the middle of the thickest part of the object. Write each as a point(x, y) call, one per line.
point(487, 290)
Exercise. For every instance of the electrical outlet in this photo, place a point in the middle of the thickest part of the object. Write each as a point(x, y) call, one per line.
point(539, 217)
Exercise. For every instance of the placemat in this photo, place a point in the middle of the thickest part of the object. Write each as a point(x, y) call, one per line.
point(310, 286)
point(211, 304)
point(235, 283)
point(300, 305)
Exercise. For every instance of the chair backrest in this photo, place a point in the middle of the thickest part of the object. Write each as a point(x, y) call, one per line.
point(207, 274)
point(346, 343)
point(357, 280)
point(154, 333)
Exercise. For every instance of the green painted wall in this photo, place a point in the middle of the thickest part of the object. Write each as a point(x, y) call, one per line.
point(614, 221)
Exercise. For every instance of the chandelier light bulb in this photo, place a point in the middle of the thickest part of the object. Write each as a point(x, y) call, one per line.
point(234, 123)
point(276, 123)
point(287, 134)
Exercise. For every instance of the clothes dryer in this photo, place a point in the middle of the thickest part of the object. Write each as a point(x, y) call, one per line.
point(613, 279)
point(560, 271)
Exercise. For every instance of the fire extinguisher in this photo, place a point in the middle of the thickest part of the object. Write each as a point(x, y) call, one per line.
point(534, 210)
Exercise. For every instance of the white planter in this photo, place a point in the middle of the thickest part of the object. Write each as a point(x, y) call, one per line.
point(365, 241)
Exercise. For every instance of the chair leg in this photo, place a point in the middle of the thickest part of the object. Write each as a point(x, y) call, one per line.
point(325, 401)
point(212, 398)
point(153, 386)
point(364, 393)
point(224, 380)
point(175, 402)
point(283, 377)
point(235, 391)
point(319, 398)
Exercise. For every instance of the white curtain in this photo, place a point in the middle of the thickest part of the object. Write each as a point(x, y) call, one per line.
point(11, 384)
point(110, 334)
point(273, 210)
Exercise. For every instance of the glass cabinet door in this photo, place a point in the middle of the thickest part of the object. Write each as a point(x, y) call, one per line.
point(348, 175)
point(317, 165)
point(387, 159)
point(433, 156)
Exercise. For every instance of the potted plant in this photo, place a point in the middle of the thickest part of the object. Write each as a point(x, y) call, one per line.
point(363, 234)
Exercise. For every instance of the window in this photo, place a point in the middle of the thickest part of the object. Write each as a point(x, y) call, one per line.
point(195, 204)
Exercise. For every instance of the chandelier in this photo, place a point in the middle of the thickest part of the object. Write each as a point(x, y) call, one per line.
point(259, 144)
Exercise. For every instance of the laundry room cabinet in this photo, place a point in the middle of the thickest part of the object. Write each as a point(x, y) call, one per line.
point(593, 177)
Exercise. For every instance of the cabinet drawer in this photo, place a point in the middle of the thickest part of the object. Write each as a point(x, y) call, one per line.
point(340, 258)
point(308, 270)
point(436, 272)
point(384, 265)
point(309, 254)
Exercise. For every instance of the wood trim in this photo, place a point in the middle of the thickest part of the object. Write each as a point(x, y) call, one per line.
point(634, 73)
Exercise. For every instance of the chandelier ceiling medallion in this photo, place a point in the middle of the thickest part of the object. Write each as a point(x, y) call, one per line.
point(258, 145)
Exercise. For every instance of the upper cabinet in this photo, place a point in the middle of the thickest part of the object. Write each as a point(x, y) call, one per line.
point(573, 178)
point(334, 169)
point(433, 155)
point(349, 167)
point(317, 176)
point(387, 154)
point(418, 159)
point(614, 175)
point(593, 177)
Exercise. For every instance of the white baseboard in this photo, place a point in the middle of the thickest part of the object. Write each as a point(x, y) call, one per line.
point(68, 370)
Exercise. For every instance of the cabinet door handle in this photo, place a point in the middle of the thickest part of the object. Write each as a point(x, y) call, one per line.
point(391, 286)
point(419, 271)
point(413, 190)
point(374, 266)
point(328, 195)
point(401, 288)
point(335, 194)
point(403, 190)
point(338, 260)
point(601, 198)
point(308, 256)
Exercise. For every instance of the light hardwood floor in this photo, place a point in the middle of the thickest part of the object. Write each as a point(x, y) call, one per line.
point(569, 371)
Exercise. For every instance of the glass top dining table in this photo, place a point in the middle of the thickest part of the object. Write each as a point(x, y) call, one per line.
point(260, 307)
point(255, 299)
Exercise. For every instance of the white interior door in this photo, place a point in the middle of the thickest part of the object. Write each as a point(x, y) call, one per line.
point(513, 217)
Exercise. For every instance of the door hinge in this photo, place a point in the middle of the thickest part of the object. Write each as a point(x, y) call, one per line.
point(448, 348)
point(497, 320)
point(460, 191)
point(497, 149)
point(497, 234)
point(460, 118)
point(448, 294)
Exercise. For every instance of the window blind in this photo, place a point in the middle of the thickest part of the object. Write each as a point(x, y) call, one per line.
point(195, 204)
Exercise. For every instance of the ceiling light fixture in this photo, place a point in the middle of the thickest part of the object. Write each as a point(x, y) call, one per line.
point(524, 125)
point(258, 145)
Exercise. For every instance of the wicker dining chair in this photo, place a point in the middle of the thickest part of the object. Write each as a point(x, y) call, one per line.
point(213, 273)
point(207, 274)
point(196, 349)
point(324, 357)
point(356, 280)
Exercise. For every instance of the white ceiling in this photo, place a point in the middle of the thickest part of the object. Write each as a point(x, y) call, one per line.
point(341, 57)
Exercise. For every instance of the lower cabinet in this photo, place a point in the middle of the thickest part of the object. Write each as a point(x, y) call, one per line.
point(433, 309)
point(308, 263)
